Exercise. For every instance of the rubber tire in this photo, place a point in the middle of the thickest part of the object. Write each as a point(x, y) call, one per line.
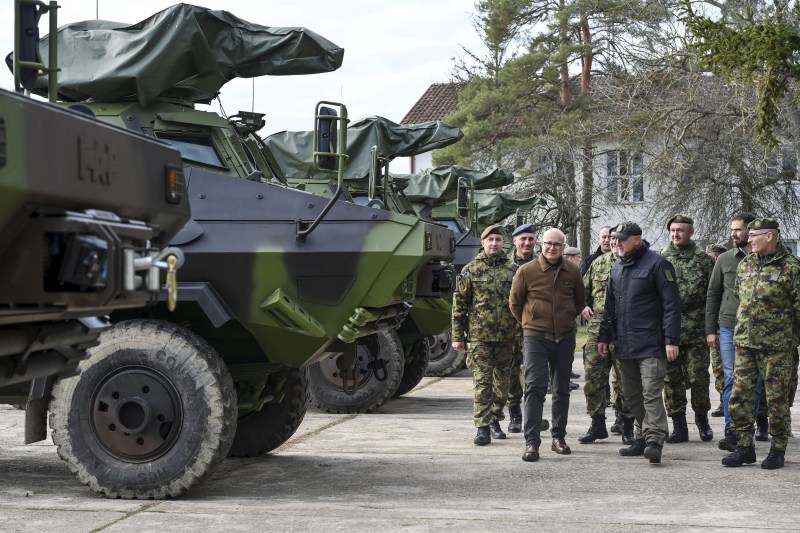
point(447, 360)
point(414, 369)
point(371, 394)
point(197, 376)
point(263, 431)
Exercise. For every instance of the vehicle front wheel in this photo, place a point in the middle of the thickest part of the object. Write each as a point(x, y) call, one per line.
point(151, 414)
point(326, 390)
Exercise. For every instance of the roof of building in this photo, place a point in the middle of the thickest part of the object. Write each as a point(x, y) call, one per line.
point(440, 100)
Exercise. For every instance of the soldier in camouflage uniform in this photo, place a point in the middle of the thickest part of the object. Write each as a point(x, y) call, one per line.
point(595, 366)
point(766, 337)
point(481, 316)
point(693, 268)
point(524, 238)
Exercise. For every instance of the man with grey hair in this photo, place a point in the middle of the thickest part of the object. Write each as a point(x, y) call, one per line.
point(604, 240)
point(553, 287)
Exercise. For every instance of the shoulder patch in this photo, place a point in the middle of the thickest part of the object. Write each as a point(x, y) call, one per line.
point(668, 274)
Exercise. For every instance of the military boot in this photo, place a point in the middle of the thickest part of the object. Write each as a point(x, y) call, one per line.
point(706, 433)
point(627, 431)
point(719, 410)
point(774, 460)
point(515, 419)
point(483, 437)
point(653, 452)
point(741, 455)
point(729, 442)
point(634, 450)
point(596, 431)
point(616, 427)
point(762, 429)
point(680, 431)
point(496, 430)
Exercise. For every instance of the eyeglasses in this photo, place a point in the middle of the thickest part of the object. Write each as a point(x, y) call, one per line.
point(553, 244)
point(757, 234)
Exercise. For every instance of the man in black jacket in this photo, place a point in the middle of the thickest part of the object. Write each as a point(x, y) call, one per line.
point(643, 315)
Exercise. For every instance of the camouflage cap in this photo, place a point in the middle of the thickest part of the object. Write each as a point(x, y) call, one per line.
point(685, 219)
point(717, 248)
point(625, 230)
point(571, 250)
point(495, 229)
point(524, 228)
point(763, 223)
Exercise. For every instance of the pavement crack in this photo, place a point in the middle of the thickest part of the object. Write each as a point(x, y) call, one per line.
point(143, 508)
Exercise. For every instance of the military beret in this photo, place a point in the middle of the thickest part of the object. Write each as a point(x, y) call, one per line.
point(625, 230)
point(524, 228)
point(716, 248)
point(493, 229)
point(571, 250)
point(763, 223)
point(685, 219)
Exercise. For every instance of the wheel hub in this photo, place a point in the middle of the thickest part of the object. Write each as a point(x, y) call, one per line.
point(438, 346)
point(136, 414)
point(331, 371)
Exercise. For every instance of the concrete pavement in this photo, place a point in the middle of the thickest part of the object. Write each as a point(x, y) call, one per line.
point(412, 466)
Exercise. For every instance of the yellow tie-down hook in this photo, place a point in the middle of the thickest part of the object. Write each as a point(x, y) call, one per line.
point(172, 282)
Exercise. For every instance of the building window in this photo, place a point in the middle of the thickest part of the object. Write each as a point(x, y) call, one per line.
point(783, 164)
point(624, 177)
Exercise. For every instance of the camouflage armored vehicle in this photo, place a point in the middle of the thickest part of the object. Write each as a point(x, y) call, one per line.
point(86, 213)
point(275, 279)
point(372, 143)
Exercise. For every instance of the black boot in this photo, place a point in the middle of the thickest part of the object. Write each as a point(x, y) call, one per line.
point(762, 429)
point(483, 437)
point(718, 411)
point(596, 431)
point(774, 459)
point(634, 450)
point(496, 430)
point(627, 431)
point(706, 433)
point(741, 455)
point(680, 431)
point(729, 442)
point(653, 452)
point(515, 419)
point(616, 427)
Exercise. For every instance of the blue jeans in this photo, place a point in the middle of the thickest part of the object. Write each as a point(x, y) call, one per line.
point(727, 353)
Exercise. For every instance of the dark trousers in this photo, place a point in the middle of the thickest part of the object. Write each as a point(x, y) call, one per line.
point(545, 358)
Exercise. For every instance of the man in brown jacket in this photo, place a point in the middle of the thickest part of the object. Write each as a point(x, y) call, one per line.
point(546, 296)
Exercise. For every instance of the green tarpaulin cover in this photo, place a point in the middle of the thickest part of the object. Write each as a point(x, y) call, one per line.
point(293, 149)
point(494, 207)
point(441, 183)
point(185, 51)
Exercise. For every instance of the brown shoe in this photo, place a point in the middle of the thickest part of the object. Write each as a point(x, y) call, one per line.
point(531, 453)
point(560, 446)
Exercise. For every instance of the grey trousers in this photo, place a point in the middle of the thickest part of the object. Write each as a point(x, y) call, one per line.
point(543, 359)
point(643, 387)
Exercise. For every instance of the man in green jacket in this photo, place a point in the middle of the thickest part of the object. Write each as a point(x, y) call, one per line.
point(546, 296)
point(693, 269)
point(721, 307)
point(481, 316)
point(766, 336)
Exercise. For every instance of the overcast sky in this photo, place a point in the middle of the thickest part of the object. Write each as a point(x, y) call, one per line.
point(393, 51)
